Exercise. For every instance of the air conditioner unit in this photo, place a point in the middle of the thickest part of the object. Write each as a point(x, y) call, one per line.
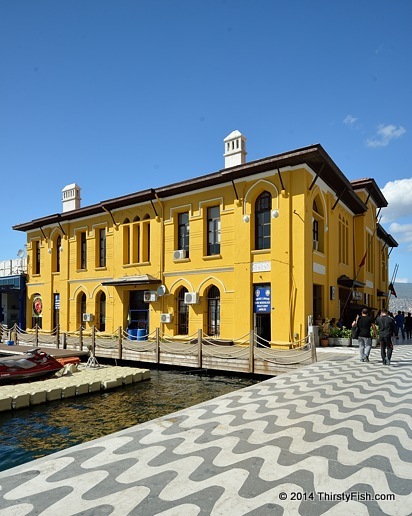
point(166, 318)
point(315, 245)
point(191, 298)
point(149, 296)
point(179, 254)
point(88, 317)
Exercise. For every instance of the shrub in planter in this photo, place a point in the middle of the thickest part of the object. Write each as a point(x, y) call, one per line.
point(345, 337)
point(334, 336)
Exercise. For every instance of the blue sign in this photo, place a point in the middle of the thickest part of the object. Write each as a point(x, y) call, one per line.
point(262, 300)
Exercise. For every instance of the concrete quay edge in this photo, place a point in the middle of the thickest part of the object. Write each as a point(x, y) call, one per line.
point(80, 382)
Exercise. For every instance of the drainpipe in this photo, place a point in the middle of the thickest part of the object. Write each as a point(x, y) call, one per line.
point(162, 243)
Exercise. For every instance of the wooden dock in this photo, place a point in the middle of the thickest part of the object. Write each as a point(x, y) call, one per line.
point(248, 354)
point(54, 352)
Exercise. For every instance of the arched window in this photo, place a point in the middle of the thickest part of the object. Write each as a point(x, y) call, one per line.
point(213, 311)
point(37, 310)
point(56, 254)
point(146, 238)
point(318, 225)
point(263, 206)
point(182, 311)
point(126, 241)
point(101, 311)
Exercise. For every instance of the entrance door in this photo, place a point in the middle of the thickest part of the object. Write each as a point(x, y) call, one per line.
point(263, 329)
point(138, 317)
point(56, 311)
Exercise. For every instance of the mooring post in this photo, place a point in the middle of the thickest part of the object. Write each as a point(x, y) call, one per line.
point(157, 350)
point(251, 352)
point(119, 344)
point(312, 346)
point(199, 348)
point(94, 340)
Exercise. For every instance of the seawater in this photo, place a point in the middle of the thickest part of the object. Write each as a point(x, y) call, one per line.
point(27, 434)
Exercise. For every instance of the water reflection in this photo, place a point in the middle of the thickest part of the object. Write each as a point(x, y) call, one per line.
point(27, 434)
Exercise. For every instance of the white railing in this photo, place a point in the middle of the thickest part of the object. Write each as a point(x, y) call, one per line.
point(12, 267)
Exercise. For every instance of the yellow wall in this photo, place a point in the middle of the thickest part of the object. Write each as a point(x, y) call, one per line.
point(290, 266)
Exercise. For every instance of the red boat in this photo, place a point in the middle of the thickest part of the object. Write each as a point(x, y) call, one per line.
point(32, 364)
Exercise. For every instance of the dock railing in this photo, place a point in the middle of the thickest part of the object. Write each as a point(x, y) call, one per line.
point(246, 354)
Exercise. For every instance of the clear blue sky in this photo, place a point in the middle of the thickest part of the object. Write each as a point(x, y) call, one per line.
point(123, 95)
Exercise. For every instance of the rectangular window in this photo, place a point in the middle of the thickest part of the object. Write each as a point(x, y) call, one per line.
point(384, 266)
point(37, 257)
point(262, 221)
point(145, 241)
point(136, 243)
point(183, 232)
point(343, 241)
point(83, 250)
point(369, 253)
point(182, 315)
point(102, 247)
point(317, 296)
point(126, 244)
point(315, 231)
point(147, 225)
point(213, 230)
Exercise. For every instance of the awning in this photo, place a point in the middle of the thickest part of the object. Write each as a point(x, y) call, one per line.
point(381, 293)
point(355, 306)
point(127, 281)
point(345, 281)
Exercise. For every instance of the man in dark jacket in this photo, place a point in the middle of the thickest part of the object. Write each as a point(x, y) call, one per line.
point(387, 329)
point(366, 324)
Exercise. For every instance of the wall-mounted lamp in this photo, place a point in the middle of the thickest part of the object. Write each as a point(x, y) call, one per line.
point(246, 218)
point(60, 249)
point(49, 251)
point(275, 214)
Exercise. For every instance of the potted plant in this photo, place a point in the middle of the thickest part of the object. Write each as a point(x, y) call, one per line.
point(345, 337)
point(334, 336)
point(375, 340)
point(324, 333)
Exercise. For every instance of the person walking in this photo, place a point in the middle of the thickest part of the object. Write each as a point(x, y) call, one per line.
point(400, 323)
point(365, 324)
point(387, 329)
point(408, 325)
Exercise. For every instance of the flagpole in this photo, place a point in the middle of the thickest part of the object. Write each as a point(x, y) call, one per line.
point(395, 272)
point(362, 263)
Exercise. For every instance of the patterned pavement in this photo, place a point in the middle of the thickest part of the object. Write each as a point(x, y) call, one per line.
point(331, 438)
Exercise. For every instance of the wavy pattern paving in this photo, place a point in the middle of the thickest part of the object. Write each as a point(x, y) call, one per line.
point(296, 444)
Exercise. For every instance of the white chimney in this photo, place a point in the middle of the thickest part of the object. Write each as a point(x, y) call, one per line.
point(235, 149)
point(71, 197)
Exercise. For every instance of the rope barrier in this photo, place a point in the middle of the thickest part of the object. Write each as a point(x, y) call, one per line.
point(298, 352)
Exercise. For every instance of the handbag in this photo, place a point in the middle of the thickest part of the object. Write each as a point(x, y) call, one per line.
point(355, 331)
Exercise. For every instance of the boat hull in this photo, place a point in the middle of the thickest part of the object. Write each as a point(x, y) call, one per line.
point(30, 365)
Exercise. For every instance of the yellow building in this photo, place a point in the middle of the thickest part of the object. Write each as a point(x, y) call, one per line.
point(265, 245)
